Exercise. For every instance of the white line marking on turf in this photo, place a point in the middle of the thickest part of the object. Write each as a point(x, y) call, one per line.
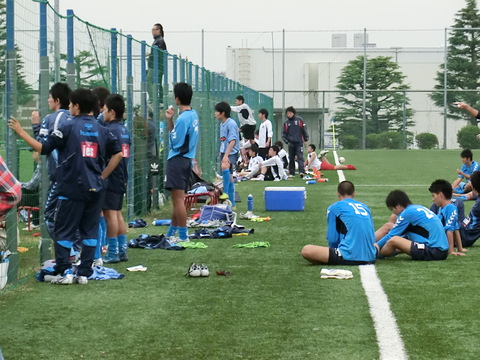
point(389, 340)
point(388, 336)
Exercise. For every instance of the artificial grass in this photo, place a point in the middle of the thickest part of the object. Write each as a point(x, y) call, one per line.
point(274, 305)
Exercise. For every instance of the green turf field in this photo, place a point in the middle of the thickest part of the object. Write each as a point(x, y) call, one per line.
point(274, 305)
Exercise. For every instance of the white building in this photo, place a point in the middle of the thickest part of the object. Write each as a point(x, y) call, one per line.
point(311, 78)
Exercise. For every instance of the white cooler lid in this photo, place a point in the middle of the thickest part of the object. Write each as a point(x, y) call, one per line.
point(285, 188)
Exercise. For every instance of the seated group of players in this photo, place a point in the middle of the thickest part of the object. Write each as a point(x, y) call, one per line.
point(424, 234)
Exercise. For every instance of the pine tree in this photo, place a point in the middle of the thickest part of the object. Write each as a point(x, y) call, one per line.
point(463, 64)
point(384, 109)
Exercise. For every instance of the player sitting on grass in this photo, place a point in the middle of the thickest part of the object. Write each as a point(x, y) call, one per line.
point(325, 164)
point(282, 154)
point(441, 191)
point(312, 159)
point(470, 226)
point(254, 160)
point(271, 169)
point(463, 189)
point(417, 232)
point(350, 233)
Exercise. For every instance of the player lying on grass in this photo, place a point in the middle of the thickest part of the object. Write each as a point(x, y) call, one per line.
point(350, 234)
point(446, 210)
point(323, 163)
point(417, 232)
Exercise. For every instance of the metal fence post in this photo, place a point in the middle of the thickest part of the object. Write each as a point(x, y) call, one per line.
point(113, 60)
point(70, 51)
point(46, 243)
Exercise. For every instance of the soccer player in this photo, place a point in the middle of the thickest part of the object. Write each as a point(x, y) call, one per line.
point(417, 232)
point(325, 164)
point(58, 102)
point(265, 133)
point(350, 233)
point(117, 182)
point(254, 160)
point(183, 146)
point(270, 169)
point(229, 147)
point(470, 226)
point(441, 191)
point(82, 146)
point(245, 118)
point(463, 189)
point(312, 159)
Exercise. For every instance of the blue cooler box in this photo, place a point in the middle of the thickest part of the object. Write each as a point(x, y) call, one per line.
point(285, 198)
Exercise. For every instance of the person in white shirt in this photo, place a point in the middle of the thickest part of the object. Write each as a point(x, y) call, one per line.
point(282, 154)
point(312, 159)
point(271, 169)
point(247, 124)
point(255, 159)
point(265, 133)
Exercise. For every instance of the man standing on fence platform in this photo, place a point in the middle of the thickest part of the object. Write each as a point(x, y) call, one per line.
point(294, 134)
point(159, 41)
point(82, 145)
point(183, 146)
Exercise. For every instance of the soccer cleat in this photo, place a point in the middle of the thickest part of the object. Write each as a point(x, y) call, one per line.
point(224, 196)
point(259, 178)
point(324, 152)
point(97, 262)
point(248, 215)
point(351, 167)
point(111, 259)
point(204, 270)
point(291, 176)
point(194, 270)
point(67, 279)
point(81, 280)
point(277, 179)
point(123, 257)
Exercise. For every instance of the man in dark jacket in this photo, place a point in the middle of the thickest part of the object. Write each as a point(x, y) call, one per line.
point(294, 134)
point(158, 41)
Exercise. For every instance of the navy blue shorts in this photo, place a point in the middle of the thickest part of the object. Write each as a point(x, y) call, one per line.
point(233, 158)
point(113, 201)
point(336, 258)
point(77, 215)
point(178, 173)
point(468, 236)
point(419, 251)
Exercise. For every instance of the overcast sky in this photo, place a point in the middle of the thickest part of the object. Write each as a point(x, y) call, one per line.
point(137, 17)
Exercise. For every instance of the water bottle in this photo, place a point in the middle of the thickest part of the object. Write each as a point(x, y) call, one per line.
point(250, 202)
point(162, 222)
point(311, 182)
point(323, 180)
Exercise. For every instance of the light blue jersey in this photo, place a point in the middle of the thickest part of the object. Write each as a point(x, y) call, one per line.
point(184, 136)
point(229, 132)
point(449, 217)
point(350, 229)
point(468, 170)
point(418, 224)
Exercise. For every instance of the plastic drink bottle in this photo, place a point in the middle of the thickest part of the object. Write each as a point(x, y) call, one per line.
point(311, 182)
point(323, 180)
point(250, 202)
point(162, 222)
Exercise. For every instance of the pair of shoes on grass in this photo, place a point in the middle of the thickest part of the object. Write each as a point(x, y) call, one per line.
point(197, 270)
point(68, 278)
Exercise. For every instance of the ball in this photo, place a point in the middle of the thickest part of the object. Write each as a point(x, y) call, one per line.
point(341, 159)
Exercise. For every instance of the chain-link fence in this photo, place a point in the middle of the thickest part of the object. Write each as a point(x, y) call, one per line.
point(44, 47)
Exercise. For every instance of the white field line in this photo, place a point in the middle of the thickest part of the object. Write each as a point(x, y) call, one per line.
point(389, 340)
point(388, 335)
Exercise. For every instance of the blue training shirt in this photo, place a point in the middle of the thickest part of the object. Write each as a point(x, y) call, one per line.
point(449, 217)
point(83, 147)
point(418, 224)
point(117, 181)
point(350, 229)
point(46, 127)
point(184, 136)
point(229, 132)
point(468, 170)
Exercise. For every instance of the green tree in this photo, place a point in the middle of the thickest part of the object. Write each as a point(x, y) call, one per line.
point(88, 73)
point(463, 64)
point(384, 108)
point(24, 90)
